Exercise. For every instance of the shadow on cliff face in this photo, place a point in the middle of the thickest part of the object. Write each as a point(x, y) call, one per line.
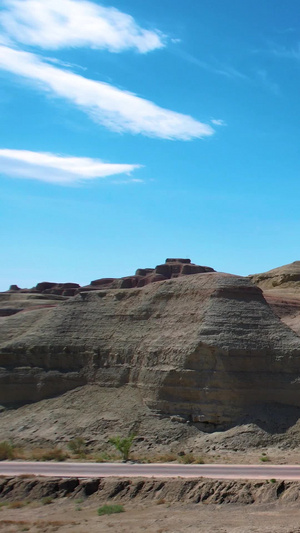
point(273, 419)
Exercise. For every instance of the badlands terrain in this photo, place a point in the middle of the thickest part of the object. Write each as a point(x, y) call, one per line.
point(199, 365)
point(187, 359)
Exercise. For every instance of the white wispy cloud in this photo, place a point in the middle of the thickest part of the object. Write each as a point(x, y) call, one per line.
point(54, 24)
point(61, 63)
point(279, 51)
point(57, 169)
point(116, 109)
point(218, 122)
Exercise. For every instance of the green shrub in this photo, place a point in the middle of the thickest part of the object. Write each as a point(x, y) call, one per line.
point(104, 457)
point(123, 445)
point(47, 500)
point(265, 459)
point(110, 509)
point(77, 446)
point(6, 451)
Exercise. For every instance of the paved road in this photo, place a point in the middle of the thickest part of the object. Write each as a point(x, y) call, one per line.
point(84, 470)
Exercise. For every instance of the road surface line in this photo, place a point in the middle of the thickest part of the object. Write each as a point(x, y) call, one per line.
point(88, 470)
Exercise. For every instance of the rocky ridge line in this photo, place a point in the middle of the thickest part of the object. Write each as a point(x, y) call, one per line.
point(172, 268)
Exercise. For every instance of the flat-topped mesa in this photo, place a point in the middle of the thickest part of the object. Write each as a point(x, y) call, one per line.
point(184, 261)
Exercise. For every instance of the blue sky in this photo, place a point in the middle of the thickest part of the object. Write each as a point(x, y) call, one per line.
point(135, 131)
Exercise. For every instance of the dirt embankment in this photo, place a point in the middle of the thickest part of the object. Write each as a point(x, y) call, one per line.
point(151, 490)
point(155, 506)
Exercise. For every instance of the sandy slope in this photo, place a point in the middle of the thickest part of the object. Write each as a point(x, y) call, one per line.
point(97, 413)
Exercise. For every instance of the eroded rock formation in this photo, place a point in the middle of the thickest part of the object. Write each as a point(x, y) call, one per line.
point(205, 346)
point(172, 268)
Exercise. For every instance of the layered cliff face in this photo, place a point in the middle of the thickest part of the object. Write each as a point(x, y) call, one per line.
point(205, 346)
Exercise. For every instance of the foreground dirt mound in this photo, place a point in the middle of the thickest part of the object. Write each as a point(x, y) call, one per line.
point(206, 347)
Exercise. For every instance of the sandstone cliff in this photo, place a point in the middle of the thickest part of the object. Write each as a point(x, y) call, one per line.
point(206, 346)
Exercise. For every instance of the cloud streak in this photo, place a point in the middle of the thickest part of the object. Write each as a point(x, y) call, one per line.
point(264, 79)
point(215, 67)
point(57, 169)
point(285, 52)
point(54, 24)
point(218, 122)
point(118, 110)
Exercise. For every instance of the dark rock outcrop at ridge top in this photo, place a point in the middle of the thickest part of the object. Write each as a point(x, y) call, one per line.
point(205, 346)
point(172, 268)
point(48, 294)
point(48, 287)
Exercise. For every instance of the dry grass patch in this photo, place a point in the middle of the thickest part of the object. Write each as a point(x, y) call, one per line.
point(189, 459)
point(6, 451)
point(164, 458)
point(15, 505)
point(104, 457)
point(48, 454)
